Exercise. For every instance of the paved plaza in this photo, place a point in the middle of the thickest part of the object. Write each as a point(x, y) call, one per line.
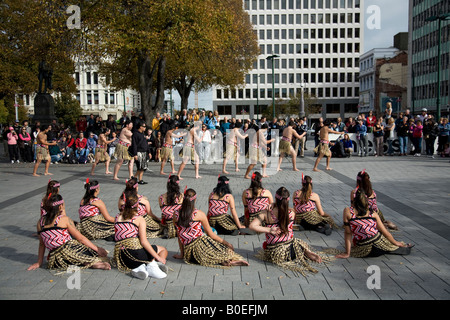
point(413, 192)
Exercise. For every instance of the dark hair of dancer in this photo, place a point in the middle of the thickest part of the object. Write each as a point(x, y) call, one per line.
point(187, 208)
point(173, 189)
point(53, 209)
point(222, 187)
point(363, 182)
point(130, 209)
point(52, 188)
point(306, 190)
point(282, 204)
point(256, 184)
point(360, 202)
point(91, 187)
point(130, 188)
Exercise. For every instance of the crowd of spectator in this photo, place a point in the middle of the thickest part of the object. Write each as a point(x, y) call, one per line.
point(78, 144)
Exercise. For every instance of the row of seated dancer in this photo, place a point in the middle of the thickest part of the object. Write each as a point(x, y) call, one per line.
point(199, 233)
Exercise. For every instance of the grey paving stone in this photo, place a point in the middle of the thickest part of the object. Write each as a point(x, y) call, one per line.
point(423, 216)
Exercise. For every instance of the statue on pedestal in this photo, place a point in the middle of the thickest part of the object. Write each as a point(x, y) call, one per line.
point(44, 105)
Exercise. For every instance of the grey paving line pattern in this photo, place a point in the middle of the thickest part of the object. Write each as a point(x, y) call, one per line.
point(422, 215)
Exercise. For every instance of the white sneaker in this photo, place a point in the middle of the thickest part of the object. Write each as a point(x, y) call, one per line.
point(18, 161)
point(12, 161)
point(140, 272)
point(155, 270)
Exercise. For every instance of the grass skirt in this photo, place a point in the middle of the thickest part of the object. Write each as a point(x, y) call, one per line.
point(96, 227)
point(290, 255)
point(223, 223)
point(122, 152)
point(154, 228)
point(73, 253)
point(209, 253)
point(314, 218)
point(285, 147)
point(373, 247)
point(130, 249)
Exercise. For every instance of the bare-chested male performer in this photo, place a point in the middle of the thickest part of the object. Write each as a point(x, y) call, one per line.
point(121, 152)
point(101, 153)
point(189, 153)
point(323, 149)
point(257, 150)
point(286, 147)
point(232, 147)
point(167, 148)
point(42, 153)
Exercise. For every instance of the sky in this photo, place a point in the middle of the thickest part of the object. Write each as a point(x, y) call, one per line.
point(393, 18)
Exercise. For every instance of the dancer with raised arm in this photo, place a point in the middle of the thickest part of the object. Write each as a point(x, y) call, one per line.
point(286, 147)
point(323, 149)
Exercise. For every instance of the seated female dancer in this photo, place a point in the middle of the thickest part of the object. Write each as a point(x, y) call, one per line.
point(154, 227)
point(170, 202)
point(196, 247)
point(52, 189)
point(255, 198)
point(280, 247)
point(219, 201)
point(67, 246)
point(309, 213)
point(365, 230)
point(363, 182)
point(95, 221)
point(132, 252)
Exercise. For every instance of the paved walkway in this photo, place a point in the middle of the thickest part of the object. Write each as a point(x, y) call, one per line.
point(412, 192)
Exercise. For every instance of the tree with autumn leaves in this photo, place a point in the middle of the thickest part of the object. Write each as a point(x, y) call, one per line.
point(147, 45)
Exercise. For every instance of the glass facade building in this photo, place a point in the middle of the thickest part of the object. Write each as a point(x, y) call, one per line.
point(317, 43)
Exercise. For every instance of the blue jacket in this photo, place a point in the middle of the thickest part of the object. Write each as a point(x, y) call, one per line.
point(361, 129)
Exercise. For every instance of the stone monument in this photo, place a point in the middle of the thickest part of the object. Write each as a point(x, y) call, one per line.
point(44, 105)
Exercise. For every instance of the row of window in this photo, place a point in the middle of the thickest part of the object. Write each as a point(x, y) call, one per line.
point(300, 4)
point(430, 40)
point(92, 97)
point(309, 63)
point(343, 78)
point(306, 19)
point(291, 34)
point(430, 65)
point(420, 20)
point(91, 77)
point(335, 92)
point(429, 91)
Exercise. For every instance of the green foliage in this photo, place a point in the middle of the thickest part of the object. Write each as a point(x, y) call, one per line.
point(3, 112)
point(67, 110)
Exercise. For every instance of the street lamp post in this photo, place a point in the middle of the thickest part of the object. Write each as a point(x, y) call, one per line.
point(272, 57)
point(302, 100)
point(439, 19)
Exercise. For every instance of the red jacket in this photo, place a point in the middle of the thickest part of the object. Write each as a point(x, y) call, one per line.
point(81, 143)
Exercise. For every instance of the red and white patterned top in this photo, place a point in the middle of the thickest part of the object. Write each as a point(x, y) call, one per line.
point(125, 229)
point(258, 204)
point(88, 210)
point(305, 207)
point(167, 211)
point(192, 232)
point(54, 237)
point(362, 228)
point(274, 239)
point(217, 207)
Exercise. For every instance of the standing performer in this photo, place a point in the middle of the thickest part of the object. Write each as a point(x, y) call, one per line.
point(309, 213)
point(132, 252)
point(95, 221)
point(101, 153)
point(255, 199)
point(121, 152)
point(67, 246)
point(196, 247)
point(363, 182)
point(170, 202)
point(42, 153)
point(153, 223)
point(219, 201)
point(366, 231)
point(280, 247)
point(286, 147)
point(258, 149)
point(232, 147)
point(189, 153)
point(323, 149)
point(167, 148)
